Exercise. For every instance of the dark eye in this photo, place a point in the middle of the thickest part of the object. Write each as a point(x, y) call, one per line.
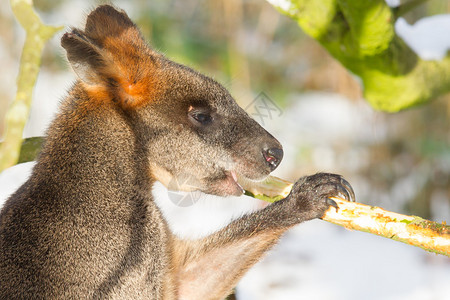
point(200, 117)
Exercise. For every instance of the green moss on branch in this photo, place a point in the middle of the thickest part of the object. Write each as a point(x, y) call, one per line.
point(361, 35)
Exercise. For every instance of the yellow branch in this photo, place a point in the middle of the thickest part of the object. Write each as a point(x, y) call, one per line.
point(37, 35)
point(412, 230)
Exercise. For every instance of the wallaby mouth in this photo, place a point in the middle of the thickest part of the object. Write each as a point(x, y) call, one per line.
point(234, 177)
point(231, 184)
point(255, 170)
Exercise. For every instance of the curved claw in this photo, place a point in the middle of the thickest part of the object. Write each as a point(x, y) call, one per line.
point(333, 203)
point(342, 192)
point(349, 190)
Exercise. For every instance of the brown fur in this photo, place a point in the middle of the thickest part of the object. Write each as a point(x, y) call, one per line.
point(85, 224)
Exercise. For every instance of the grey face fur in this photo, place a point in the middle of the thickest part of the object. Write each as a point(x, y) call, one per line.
point(206, 135)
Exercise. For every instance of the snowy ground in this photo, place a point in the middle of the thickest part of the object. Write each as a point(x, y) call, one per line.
point(316, 260)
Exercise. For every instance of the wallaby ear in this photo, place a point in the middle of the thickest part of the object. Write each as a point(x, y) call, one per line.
point(111, 58)
point(85, 57)
point(106, 21)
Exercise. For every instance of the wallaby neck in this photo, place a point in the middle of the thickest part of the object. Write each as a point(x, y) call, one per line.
point(92, 148)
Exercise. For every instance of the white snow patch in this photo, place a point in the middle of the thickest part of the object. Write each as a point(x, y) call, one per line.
point(393, 3)
point(284, 5)
point(317, 260)
point(208, 214)
point(429, 37)
point(12, 178)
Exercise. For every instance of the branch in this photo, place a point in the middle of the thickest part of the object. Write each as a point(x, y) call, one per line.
point(29, 149)
point(361, 35)
point(405, 8)
point(412, 230)
point(37, 35)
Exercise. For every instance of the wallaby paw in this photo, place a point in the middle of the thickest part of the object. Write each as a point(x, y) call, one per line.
point(310, 195)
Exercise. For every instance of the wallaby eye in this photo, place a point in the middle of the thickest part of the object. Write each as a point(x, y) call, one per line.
point(200, 117)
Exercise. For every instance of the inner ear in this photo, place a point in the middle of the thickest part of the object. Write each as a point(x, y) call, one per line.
point(84, 56)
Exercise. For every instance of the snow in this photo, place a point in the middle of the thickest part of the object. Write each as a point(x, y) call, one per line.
point(429, 37)
point(11, 179)
point(208, 214)
point(284, 5)
point(317, 260)
point(393, 3)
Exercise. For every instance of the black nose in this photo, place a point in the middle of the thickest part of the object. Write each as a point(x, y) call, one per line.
point(273, 157)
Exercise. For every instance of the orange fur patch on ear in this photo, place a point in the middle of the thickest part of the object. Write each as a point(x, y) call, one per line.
point(135, 70)
point(139, 93)
point(127, 95)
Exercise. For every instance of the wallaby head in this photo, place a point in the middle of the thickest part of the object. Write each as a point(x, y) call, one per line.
point(189, 125)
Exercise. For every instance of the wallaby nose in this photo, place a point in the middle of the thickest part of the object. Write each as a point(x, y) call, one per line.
point(273, 156)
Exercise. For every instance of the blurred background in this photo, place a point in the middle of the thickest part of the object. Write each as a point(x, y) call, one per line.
point(314, 106)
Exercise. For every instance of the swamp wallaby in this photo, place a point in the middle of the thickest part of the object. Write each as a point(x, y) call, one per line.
point(85, 225)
